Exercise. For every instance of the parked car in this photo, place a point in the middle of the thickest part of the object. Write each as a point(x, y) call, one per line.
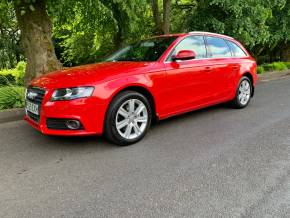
point(155, 78)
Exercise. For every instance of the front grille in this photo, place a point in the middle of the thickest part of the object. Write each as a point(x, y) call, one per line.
point(34, 117)
point(58, 124)
point(36, 96)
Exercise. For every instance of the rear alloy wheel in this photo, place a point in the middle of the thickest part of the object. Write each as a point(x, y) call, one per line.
point(243, 93)
point(128, 118)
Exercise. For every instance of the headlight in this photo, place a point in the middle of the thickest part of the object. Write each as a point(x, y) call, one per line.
point(72, 93)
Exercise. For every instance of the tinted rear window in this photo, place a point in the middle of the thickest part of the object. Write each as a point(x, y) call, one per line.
point(236, 50)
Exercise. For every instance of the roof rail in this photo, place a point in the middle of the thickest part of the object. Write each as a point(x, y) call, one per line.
point(209, 33)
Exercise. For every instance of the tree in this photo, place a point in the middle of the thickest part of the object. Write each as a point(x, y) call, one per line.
point(162, 26)
point(87, 31)
point(166, 16)
point(279, 26)
point(10, 52)
point(261, 25)
point(84, 30)
point(36, 41)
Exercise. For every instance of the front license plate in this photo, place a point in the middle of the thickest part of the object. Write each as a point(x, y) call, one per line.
point(32, 108)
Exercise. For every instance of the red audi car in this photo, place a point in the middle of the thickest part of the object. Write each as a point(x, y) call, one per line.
point(152, 79)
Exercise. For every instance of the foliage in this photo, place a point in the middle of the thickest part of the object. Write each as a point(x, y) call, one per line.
point(279, 66)
point(11, 97)
point(287, 64)
point(13, 76)
point(279, 24)
point(85, 31)
point(275, 66)
point(10, 52)
point(260, 70)
point(91, 30)
point(262, 26)
point(244, 20)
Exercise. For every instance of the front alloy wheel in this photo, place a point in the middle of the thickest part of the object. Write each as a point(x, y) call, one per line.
point(128, 118)
point(132, 119)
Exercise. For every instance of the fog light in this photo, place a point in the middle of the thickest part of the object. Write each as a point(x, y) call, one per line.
point(73, 124)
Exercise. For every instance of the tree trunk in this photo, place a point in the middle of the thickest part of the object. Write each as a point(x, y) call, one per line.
point(156, 17)
point(166, 16)
point(36, 40)
point(286, 53)
point(121, 28)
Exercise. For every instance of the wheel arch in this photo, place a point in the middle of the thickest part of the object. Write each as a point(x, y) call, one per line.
point(249, 75)
point(142, 90)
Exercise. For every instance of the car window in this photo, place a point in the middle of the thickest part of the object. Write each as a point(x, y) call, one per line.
point(218, 47)
point(194, 43)
point(236, 50)
point(146, 50)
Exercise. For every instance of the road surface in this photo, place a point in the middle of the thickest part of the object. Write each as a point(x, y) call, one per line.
point(216, 162)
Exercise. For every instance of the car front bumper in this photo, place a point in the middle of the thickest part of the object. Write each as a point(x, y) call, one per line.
point(89, 112)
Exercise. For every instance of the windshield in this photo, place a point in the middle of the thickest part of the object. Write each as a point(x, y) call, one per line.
point(147, 50)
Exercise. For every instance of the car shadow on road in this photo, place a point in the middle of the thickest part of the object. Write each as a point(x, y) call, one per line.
point(73, 143)
point(193, 114)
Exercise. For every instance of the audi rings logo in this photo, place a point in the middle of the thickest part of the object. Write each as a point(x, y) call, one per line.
point(31, 95)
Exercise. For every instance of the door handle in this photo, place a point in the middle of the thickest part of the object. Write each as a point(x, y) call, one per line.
point(236, 67)
point(207, 69)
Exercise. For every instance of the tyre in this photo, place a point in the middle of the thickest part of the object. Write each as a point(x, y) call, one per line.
point(128, 118)
point(243, 93)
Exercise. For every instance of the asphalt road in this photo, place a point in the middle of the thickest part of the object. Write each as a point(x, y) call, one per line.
point(216, 162)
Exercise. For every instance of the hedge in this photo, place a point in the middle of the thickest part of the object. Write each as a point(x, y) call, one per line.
point(275, 66)
point(13, 76)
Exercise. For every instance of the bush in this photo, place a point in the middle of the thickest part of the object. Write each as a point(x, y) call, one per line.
point(276, 66)
point(7, 79)
point(268, 67)
point(11, 97)
point(260, 70)
point(279, 66)
point(287, 64)
point(13, 76)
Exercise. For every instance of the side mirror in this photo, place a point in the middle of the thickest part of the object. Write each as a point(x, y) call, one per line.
point(184, 55)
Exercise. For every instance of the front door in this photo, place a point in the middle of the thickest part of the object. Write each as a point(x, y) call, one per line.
point(188, 82)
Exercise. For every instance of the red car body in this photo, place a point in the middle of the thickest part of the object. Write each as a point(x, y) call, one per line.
point(174, 87)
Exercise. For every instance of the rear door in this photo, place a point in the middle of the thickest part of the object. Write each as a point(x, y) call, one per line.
point(220, 58)
point(239, 56)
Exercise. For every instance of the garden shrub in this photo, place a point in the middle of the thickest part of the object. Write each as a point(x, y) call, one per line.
point(7, 79)
point(268, 67)
point(260, 70)
point(20, 68)
point(275, 66)
point(11, 97)
point(279, 66)
point(287, 64)
point(17, 74)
